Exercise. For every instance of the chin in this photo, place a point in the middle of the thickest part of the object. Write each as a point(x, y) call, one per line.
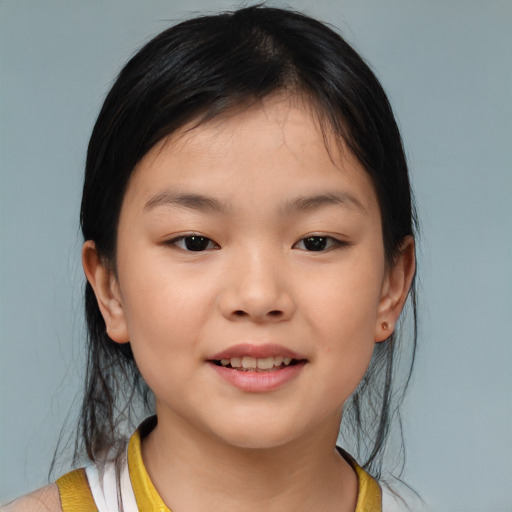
point(260, 435)
point(258, 442)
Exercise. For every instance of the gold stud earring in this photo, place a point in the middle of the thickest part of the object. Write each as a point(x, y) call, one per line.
point(385, 325)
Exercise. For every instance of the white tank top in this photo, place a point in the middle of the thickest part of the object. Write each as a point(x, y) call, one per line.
point(104, 488)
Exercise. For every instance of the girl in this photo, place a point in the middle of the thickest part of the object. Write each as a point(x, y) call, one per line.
point(249, 248)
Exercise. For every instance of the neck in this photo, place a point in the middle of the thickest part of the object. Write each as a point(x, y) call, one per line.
point(304, 474)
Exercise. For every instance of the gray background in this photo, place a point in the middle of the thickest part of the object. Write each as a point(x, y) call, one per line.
point(447, 68)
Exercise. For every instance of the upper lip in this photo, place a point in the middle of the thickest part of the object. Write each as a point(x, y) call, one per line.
point(256, 351)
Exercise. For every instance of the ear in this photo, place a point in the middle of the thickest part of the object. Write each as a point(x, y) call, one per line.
point(106, 288)
point(395, 289)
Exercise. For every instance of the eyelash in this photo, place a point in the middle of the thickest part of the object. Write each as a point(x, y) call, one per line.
point(200, 238)
point(331, 243)
point(181, 242)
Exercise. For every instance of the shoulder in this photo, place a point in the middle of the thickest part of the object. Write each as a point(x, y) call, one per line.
point(46, 499)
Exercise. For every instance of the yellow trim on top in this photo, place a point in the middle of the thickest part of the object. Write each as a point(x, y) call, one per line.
point(147, 497)
point(75, 493)
point(369, 496)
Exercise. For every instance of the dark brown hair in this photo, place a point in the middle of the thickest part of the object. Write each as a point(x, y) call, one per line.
point(194, 72)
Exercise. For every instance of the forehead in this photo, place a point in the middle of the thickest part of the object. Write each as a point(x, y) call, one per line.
point(272, 148)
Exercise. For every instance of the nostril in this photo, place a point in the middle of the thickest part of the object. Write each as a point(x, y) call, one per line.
point(273, 314)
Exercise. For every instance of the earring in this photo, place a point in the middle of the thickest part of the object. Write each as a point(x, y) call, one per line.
point(385, 326)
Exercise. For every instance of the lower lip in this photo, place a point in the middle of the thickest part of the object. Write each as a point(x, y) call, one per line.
point(258, 382)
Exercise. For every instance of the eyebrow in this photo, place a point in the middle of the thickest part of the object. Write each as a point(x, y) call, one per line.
point(306, 203)
point(192, 201)
point(209, 204)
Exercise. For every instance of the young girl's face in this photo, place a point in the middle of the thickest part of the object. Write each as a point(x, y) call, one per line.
point(243, 244)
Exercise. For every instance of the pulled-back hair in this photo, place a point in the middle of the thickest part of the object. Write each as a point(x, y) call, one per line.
point(191, 73)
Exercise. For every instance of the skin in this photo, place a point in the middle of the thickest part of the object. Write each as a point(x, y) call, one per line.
point(255, 283)
point(43, 500)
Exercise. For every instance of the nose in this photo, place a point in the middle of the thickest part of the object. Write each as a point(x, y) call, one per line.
point(258, 290)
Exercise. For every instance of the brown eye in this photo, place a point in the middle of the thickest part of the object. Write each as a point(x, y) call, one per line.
point(194, 243)
point(315, 243)
point(318, 243)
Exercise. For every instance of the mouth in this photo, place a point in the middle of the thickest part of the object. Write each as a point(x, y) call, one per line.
point(259, 365)
point(258, 368)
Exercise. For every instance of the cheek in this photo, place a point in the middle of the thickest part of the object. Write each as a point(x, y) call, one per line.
point(345, 302)
point(165, 313)
point(342, 317)
point(156, 292)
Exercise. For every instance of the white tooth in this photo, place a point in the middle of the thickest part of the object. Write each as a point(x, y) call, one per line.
point(287, 360)
point(265, 364)
point(236, 362)
point(224, 362)
point(248, 362)
point(278, 360)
